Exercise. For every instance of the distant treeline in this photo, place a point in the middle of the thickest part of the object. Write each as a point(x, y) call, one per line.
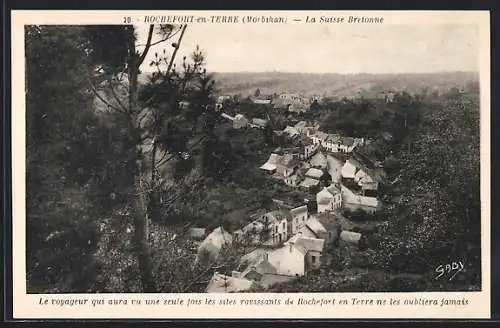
point(339, 85)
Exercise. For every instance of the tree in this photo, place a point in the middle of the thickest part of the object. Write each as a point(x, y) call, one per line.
point(67, 187)
point(159, 128)
point(438, 216)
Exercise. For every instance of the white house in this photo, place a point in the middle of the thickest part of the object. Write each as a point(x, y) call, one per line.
point(299, 217)
point(288, 260)
point(354, 201)
point(349, 170)
point(314, 173)
point(332, 143)
point(329, 199)
point(365, 180)
point(277, 226)
point(313, 248)
point(309, 183)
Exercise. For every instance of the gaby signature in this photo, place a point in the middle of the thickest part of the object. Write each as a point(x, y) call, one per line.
point(449, 270)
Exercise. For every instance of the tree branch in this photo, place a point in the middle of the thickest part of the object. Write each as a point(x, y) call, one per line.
point(148, 45)
point(94, 90)
point(170, 64)
point(163, 160)
point(172, 59)
point(117, 98)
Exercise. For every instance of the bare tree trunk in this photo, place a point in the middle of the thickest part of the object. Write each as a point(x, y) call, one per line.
point(140, 214)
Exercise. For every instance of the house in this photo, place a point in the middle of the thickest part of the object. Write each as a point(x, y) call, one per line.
point(240, 121)
point(349, 170)
point(289, 260)
point(227, 284)
point(314, 173)
point(312, 247)
point(318, 137)
point(299, 217)
point(307, 147)
point(359, 177)
point(295, 103)
point(293, 180)
point(222, 99)
point(350, 237)
point(364, 179)
point(291, 132)
point(329, 199)
point(353, 201)
point(261, 272)
point(298, 107)
point(260, 123)
point(184, 104)
point(209, 250)
point(276, 224)
point(305, 231)
point(332, 226)
point(196, 233)
point(332, 142)
point(301, 127)
point(272, 163)
point(319, 160)
point(390, 96)
point(262, 101)
point(287, 165)
point(250, 234)
point(334, 167)
point(346, 145)
point(309, 184)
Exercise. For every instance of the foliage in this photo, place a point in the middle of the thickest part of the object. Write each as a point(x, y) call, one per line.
point(438, 217)
point(74, 171)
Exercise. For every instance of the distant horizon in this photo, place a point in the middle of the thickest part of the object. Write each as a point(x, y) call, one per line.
point(337, 73)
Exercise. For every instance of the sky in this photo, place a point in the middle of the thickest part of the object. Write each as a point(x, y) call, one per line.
point(343, 49)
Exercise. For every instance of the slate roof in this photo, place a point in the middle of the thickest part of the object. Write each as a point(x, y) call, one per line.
point(315, 226)
point(314, 173)
point(308, 182)
point(307, 244)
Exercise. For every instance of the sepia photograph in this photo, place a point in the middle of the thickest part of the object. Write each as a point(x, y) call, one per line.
point(188, 158)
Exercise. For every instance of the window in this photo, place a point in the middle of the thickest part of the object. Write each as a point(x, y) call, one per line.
point(284, 225)
point(313, 258)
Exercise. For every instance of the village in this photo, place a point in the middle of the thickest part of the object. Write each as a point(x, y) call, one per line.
point(297, 237)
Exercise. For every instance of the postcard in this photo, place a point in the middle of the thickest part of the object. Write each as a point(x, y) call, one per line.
point(250, 164)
